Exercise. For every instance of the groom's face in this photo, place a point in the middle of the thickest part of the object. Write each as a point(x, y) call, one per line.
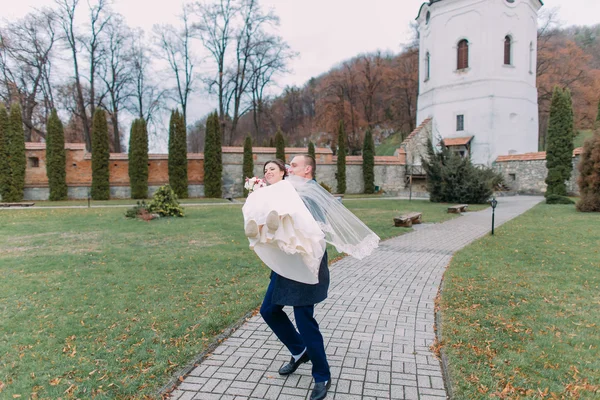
point(299, 167)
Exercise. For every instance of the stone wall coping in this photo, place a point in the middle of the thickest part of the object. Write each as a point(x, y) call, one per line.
point(358, 160)
point(42, 146)
point(125, 156)
point(540, 155)
point(272, 150)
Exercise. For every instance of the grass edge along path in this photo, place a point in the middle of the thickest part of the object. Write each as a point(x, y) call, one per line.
point(520, 310)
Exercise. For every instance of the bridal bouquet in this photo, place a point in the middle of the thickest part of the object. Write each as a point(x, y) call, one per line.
point(254, 183)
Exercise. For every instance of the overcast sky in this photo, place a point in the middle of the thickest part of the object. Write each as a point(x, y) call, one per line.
point(323, 32)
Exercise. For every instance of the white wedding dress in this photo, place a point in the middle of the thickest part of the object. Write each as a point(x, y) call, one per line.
point(294, 245)
point(295, 249)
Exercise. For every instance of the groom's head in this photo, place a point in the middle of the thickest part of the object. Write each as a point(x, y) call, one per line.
point(303, 166)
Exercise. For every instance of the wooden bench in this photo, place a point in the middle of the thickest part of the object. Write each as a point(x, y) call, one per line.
point(457, 209)
point(407, 220)
point(16, 204)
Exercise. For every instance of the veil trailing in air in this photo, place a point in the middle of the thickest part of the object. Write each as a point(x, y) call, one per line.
point(295, 219)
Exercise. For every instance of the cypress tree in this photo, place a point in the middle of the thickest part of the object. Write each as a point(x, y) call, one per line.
point(138, 159)
point(311, 149)
point(248, 161)
point(598, 116)
point(341, 160)
point(17, 162)
point(271, 142)
point(559, 152)
point(368, 155)
point(279, 145)
point(4, 165)
point(178, 155)
point(213, 166)
point(56, 158)
point(219, 153)
point(100, 157)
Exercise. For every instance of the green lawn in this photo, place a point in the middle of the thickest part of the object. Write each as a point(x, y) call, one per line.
point(521, 310)
point(117, 202)
point(582, 137)
point(389, 145)
point(95, 305)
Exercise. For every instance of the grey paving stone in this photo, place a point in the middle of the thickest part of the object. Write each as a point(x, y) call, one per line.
point(377, 324)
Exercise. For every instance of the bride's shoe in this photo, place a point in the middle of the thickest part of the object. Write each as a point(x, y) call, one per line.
point(251, 229)
point(273, 221)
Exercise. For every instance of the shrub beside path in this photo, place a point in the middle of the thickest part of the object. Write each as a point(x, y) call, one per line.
point(378, 324)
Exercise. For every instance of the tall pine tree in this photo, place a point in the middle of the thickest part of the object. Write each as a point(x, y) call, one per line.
point(279, 145)
point(598, 116)
point(248, 161)
point(311, 149)
point(5, 180)
point(341, 159)
point(178, 178)
point(213, 165)
point(100, 157)
point(368, 155)
point(56, 158)
point(138, 159)
point(559, 151)
point(17, 162)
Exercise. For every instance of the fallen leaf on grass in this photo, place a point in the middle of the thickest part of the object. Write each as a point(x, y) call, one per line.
point(55, 381)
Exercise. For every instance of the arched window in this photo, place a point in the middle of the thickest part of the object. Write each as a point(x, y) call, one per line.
point(427, 66)
point(463, 54)
point(507, 50)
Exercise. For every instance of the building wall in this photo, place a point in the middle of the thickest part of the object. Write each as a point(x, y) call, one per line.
point(389, 171)
point(499, 102)
point(528, 176)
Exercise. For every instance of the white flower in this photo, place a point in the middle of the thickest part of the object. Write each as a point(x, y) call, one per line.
point(254, 183)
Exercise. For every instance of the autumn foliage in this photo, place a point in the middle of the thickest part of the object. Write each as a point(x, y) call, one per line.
point(589, 175)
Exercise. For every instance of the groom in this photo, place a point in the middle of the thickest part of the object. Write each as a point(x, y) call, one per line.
point(306, 343)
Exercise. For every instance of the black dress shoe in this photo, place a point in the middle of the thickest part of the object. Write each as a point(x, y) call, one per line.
point(320, 390)
point(293, 364)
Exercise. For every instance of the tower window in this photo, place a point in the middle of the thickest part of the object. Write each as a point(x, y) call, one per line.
point(531, 57)
point(507, 50)
point(427, 66)
point(463, 54)
point(460, 122)
point(34, 162)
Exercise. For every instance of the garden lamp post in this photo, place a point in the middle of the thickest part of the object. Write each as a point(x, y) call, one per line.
point(493, 203)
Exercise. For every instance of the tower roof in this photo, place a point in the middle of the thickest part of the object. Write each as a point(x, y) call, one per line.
point(431, 2)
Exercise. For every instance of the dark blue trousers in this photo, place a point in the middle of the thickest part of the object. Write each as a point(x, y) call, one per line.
point(309, 336)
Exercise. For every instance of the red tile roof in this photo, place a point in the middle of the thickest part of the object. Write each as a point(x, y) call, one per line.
point(459, 141)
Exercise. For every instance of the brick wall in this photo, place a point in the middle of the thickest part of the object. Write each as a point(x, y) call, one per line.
point(389, 171)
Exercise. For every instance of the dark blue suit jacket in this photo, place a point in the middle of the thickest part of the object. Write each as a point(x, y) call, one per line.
point(291, 293)
point(287, 292)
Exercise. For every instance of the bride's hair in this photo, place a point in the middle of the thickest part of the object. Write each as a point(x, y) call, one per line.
point(280, 164)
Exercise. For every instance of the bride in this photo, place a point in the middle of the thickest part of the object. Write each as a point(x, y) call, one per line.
point(289, 222)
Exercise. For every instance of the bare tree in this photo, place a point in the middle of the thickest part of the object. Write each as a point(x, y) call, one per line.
point(117, 72)
point(66, 15)
point(371, 74)
point(25, 64)
point(215, 31)
point(174, 45)
point(270, 59)
point(147, 96)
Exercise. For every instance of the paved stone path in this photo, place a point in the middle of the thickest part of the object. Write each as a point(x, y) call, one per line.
point(378, 324)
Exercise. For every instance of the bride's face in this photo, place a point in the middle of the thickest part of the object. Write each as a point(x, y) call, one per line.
point(272, 173)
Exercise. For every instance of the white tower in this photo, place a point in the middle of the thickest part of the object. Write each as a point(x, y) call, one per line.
point(478, 75)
